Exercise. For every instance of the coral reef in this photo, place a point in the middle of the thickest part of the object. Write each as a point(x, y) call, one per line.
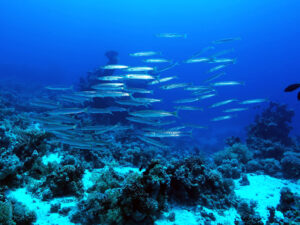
point(194, 182)
point(15, 214)
point(6, 213)
point(22, 216)
point(273, 149)
point(64, 180)
point(247, 213)
point(232, 160)
point(21, 153)
point(273, 125)
point(131, 199)
point(269, 148)
point(291, 165)
point(289, 205)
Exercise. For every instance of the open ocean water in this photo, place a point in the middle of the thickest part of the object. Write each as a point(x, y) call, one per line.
point(149, 112)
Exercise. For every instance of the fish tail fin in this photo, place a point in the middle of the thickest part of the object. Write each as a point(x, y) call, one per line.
point(176, 113)
point(190, 133)
point(131, 96)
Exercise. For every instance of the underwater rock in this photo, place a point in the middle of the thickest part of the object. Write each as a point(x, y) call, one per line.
point(244, 181)
point(55, 207)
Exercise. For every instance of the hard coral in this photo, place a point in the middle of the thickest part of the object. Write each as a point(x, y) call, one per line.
point(9, 164)
point(247, 213)
point(6, 214)
point(289, 205)
point(291, 165)
point(22, 215)
point(231, 161)
point(143, 201)
point(130, 199)
point(272, 124)
point(65, 181)
point(193, 182)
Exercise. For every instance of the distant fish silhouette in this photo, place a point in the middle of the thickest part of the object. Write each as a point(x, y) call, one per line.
point(293, 87)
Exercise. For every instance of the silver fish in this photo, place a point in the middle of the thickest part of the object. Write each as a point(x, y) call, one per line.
point(162, 134)
point(139, 76)
point(98, 111)
point(221, 118)
point(216, 68)
point(143, 54)
point(235, 110)
point(189, 108)
point(223, 103)
point(153, 113)
point(227, 83)
point(139, 90)
point(187, 100)
point(173, 86)
point(198, 60)
point(139, 69)
point(253, 101)
point(207, 96)
point(115, 67)
point(57, 88)
point(197, 88)
point(66, 111)
point(162, 80)
point(171, 35)
point(221, 41)
point(146, 100)
point(111, 78)
point(214, 77)
point(157, 60)
point(130, 102)
point(223, 60)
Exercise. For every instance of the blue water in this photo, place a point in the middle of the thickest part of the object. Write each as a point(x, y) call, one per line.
point(57, 42)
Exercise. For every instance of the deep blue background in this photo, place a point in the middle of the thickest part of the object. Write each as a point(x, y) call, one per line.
point(56, 41)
